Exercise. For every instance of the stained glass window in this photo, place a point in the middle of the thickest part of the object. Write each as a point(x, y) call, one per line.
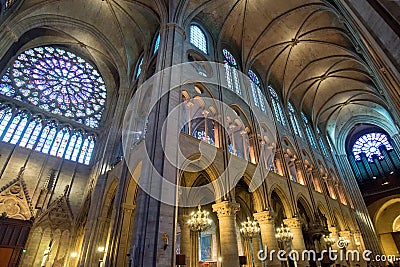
point(9, 3)
point(157, 44)
point(309, 131)
point(198, 38)
point(259, 99)
point(294, 121)
point(139, 67)
point(57, 81)
point(32, 132)
point(201, 135)
point(370, 144)
point(276, 106)
point(6, 116)
point(231, 72)
point(322, 144)
point(233, 151)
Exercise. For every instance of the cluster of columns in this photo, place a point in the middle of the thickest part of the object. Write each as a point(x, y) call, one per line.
point(228, 252)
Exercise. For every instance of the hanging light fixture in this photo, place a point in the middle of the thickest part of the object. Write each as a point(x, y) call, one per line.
point(284, 234)
point(199, 220)
point(249, 228)
point(329, 240)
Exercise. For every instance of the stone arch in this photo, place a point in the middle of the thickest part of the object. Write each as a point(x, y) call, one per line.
point(202, 173)
point(257, 195)
point(108, 196)
point(277, 190)
point(339, 223)
point(324, 211)
point(381, 122)
point(32, 28)
point(305, 212)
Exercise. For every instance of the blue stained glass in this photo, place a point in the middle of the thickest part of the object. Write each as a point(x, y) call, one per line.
point(70, 148)
point(32, 138)
point(255, 95)
point(294, 121)
point(233, 151)
point(57, 143)
point(11, 128)
point(63, 145)
point(276, 106)
point(28, 133)
point(201, 135)
point(139, 68)
point(370, 144)
point(229, 58)
point(50, 78)
point(18, 132)
point(89, 152)
point(309, 131)
point(259, 99)
point(198, 38)
point(77, 148)
point(83, 150)
point(5, 119)
point(231, 72)
point(157, 44)
point(42, 138)
point(49, 140)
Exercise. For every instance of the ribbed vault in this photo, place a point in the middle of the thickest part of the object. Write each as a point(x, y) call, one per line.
point(302, 47)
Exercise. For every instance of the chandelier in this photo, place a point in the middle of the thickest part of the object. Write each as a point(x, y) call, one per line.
point(199, 220)
point(283, 234)
point(249, 228)
point(329, 240)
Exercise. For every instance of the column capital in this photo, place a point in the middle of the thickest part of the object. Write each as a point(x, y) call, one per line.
point(127, 207)
point(226, 209)
point(264, 217)
point(176, 27)
point(293, 223)
point(183, 219)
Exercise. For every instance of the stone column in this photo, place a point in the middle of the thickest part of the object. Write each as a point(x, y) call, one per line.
point(100, 179)
point(298, 240)
point(299, 171)
point(155, 221)
point(256, 248)
point(185, 241)
point(194, 249)
point(333, 245)
point(226, 212)
point(362, 216)
point(279, 162)
point(335, 236)
point(265, 220)
point(125, 232)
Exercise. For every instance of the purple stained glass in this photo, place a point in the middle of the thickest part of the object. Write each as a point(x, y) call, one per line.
point(231, 72)
point(369, 144)
point(229, 58)
point(57, 81)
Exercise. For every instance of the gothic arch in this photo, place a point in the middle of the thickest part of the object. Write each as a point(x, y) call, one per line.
point(282, 197)
point(339, 223)
point(302, 202)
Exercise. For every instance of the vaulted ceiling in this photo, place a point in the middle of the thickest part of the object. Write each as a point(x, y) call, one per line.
point(302, 47)
point(113, 30)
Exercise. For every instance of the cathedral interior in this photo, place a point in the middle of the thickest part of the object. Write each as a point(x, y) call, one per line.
point(303, 127)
